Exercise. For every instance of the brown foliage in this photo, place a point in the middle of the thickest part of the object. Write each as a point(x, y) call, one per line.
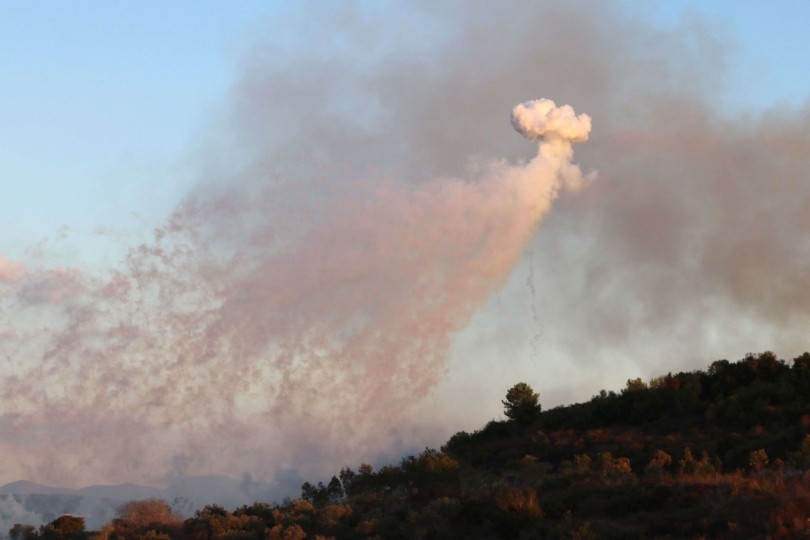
point(520, 502)
point(659, 462)
point(148, 512)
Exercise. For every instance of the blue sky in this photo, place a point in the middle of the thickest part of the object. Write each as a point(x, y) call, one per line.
point(767, 39)
point(101, 101)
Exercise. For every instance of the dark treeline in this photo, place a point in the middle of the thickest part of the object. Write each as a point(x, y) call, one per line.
point(721, 453)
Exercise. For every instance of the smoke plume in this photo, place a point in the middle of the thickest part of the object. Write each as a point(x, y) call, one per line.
point(241, 342)
point(541, 119)
point(352, 252)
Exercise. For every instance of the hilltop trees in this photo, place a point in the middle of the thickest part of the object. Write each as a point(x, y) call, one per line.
point(749, 415)
point(150, 518)
point(521, 404)
point(23, 532)
point(64, 527)
point(148, 512)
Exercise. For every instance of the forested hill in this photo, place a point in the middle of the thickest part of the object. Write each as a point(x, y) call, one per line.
point(721, 453)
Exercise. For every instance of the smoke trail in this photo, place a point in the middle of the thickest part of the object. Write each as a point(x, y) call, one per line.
point(229, 339)
point(692, 246)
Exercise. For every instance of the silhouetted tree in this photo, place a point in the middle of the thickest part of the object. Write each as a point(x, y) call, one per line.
point(334, 490)
point(64, 528)
point(347, 477)
point(521, 404)
point(634, 385)
point(23, 532)
point(309, 492)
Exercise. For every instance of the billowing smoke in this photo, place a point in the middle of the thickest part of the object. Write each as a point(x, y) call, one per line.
point(229, 342)
point(352, 251)
point(542, 119)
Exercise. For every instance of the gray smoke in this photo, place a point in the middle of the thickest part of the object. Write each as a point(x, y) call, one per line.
point(303, 303)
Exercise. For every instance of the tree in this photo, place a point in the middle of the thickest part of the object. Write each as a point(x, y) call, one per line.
point(521, 404)
point(147, 513)
point(64, 527)
point(634, 385)
point(347, 477)
point(309, 492)
point(23, 532)
point(334, 490)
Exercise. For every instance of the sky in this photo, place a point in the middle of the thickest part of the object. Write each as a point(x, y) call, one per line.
point(297, 236)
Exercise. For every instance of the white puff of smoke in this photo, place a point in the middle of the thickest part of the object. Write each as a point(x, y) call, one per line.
point(542, 119)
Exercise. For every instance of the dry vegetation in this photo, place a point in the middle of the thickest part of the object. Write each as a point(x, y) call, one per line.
point(717, 454)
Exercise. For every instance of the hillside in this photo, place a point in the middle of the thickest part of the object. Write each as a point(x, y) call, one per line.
point(36, 504)
point(720, 453)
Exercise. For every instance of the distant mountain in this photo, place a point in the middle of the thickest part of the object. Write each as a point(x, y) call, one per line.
point(122, 492)
point(37, 508)
point(35, 504)
point(23, 487)
point(223, 490)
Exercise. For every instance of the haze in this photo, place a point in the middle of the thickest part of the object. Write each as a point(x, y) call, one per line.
point(334, 248)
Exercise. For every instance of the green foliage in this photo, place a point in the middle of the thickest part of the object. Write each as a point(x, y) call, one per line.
point(521, 404)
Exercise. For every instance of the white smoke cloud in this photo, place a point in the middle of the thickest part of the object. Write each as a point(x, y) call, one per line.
point(541, 118)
